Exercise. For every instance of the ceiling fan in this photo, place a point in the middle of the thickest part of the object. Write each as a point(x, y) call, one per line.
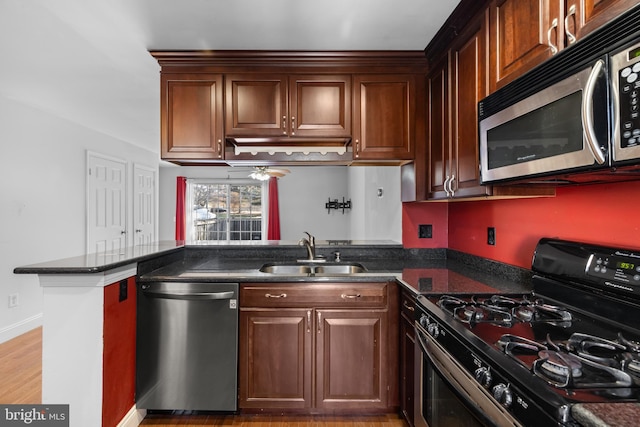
point(263, 173)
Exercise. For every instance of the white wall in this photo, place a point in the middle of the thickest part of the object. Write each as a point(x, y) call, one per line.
point(303, 194)
point(374, 217)
point(51, 113)
point(42, 213)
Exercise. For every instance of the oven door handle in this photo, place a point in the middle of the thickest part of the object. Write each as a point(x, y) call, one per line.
point(587, 112)
point(466, 387)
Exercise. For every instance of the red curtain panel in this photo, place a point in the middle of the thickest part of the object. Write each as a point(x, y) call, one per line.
point(273, 229)
point(181, 223)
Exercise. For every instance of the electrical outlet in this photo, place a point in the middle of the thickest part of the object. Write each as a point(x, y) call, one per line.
point(123, 290)
point(491, 236)
point(13, 300)
point(425, 231)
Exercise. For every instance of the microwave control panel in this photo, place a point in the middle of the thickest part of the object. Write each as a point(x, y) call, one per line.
point(626, 77)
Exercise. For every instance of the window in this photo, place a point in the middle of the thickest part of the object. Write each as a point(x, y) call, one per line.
point(225, 210)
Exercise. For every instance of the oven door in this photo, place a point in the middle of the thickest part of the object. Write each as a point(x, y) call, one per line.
point(446, 395)
point(562, 128)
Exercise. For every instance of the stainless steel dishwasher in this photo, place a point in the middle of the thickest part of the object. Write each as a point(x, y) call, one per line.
point(187, 346)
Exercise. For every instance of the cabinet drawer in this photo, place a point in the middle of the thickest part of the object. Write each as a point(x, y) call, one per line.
point(319, 295)
point(407, 304)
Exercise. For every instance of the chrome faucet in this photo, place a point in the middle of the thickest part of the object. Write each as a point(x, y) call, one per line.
point(310, 244)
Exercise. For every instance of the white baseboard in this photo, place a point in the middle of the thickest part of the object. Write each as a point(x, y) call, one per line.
point(133, 418)
point(20, 327)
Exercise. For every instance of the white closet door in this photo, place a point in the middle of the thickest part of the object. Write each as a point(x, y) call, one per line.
point(106, 203)
point(144, 215)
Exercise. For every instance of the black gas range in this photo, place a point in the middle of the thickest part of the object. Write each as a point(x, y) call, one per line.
point(529, 359)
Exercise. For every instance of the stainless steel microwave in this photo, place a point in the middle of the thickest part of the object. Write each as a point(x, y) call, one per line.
point(578, 112)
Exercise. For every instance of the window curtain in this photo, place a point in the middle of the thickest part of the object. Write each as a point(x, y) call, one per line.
point(273, 229)
point(181, 223)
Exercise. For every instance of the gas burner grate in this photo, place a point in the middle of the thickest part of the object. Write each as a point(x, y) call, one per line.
point(504, 311)
point(582, 362)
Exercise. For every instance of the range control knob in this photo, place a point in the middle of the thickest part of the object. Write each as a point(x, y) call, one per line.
point(433, 330)
point(424, 321)
point(483, 376)
point(503, 394)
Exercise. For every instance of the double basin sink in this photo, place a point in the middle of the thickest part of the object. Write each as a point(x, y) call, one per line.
point(301, 269)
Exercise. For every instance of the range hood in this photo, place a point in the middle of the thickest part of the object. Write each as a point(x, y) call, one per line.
point(294, 151)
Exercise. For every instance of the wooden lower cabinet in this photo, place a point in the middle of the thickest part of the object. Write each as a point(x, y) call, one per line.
point(335, 356)
point(275, 359)
point(407, 343)
point(350, 359)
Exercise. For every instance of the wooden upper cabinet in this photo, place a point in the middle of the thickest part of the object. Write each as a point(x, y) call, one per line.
point(256, 105)
point(191, 117)
point(384, 116)
point(585, 16)
point(438, 129)
point(468, 87)
point(455, 85)
point(320, 105)
point(274, 105)
point(524, 33)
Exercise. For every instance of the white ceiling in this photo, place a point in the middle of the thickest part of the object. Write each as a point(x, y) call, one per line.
point(87, 61)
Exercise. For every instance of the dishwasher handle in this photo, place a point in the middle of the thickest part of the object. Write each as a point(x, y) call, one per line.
point(189, 295)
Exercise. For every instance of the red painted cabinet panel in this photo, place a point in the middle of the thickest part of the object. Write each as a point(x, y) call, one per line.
point(119, 352)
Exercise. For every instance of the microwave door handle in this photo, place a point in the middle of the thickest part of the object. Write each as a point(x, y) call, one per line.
point(587, 113)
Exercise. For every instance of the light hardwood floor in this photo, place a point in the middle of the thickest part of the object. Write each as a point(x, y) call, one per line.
point(21, 369)
point(21, 382)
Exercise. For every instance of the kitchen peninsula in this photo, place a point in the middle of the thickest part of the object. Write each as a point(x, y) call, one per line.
point(90, 306)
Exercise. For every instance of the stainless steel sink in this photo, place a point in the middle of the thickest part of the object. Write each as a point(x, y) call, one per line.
point(290, 269)
point(340, 269)
point(307, 269)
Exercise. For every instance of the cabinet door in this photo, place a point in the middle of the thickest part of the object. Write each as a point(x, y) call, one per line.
point(438, 128)
point(191, 117)
point(384, 117)
point(521, 35)
point(407, 343)
point(585, 16)
point(351, 359)
point(320, 106)
point(256, 105)
point(275, 358)
point(468, 77)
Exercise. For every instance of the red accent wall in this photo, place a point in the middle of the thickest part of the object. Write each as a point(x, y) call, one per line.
point(119, 358)
point(414, 214)
point(606, 214)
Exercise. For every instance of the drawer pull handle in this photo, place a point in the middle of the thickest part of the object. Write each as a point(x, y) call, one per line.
point(407, 306)
point(319, 322)
point(308, 320)
point(346, 296)
point(275, 296)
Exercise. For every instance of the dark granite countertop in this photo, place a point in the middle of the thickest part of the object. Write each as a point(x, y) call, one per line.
point(606, 414)
point(421, 271)
point(102, 261)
